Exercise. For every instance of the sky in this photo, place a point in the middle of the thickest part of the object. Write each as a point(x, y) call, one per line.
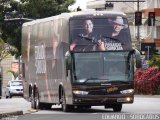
point(81, 3)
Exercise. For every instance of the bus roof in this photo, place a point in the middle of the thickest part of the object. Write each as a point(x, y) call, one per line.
point(75, 14)
point(94, 12)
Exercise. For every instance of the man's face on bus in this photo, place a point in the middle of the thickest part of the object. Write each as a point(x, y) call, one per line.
point(117, 27)
point(118, 24)
point(88, 26)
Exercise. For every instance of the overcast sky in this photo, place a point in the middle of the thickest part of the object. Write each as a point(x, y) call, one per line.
point(81, 3)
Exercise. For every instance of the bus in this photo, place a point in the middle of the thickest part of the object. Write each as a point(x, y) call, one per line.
point(61, 65)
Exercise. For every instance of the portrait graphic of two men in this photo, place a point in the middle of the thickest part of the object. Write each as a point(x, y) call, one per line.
point(100, 34)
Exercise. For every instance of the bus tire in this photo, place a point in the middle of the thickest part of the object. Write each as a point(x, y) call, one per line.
point(37, 103)
point(29, 94)
point(117, 107)
point(33, 104)
point(65, 107)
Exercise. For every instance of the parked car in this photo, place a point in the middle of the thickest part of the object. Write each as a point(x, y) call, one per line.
point(14, 88)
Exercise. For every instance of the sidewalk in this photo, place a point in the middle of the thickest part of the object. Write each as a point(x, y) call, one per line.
point(14, 106)
point(148, 96)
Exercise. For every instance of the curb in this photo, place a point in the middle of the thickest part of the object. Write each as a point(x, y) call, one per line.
point(2, 115)
point(16, 113)
point(148, 96)
point(30, 111)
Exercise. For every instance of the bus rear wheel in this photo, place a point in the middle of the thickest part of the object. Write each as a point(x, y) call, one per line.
point(40, 105)
point(117, 107)
point(65, 107)
point(37, 103)
point(33, 104)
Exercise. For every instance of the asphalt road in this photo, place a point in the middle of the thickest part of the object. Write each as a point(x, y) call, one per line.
point(143, 105)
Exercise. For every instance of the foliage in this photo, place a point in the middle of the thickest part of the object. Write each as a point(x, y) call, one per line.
point(147, 80)
point(4, 49)
point(15, 74)
point(10, 31)
point(158, 91)
point(155, 61)
point(44, 8)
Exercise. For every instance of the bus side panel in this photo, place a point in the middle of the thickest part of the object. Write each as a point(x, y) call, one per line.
point(55, 40)
point(28, 35)
point(60, 47)
point(25, 43)
point(44, 47)
point(43, 56)
point(67, 85)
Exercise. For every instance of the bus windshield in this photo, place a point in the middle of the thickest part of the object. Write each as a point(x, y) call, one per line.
point(99, 34)
point(102, 66)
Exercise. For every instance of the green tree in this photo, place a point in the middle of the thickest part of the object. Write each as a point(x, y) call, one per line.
point(155, 60)
point(10, 31)
point(15, 74)
point(44, 8)
point(4, 49)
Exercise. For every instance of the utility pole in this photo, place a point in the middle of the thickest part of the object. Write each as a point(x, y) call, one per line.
point(138, 30)
point(148, 47)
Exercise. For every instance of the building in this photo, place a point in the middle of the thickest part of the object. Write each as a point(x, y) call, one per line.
point(152, 32)
point(8, 64)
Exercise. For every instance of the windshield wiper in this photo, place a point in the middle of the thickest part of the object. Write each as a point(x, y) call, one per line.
point(88, 79)
point(120, 81)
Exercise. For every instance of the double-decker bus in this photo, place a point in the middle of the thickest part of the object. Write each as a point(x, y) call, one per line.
point(76, 60)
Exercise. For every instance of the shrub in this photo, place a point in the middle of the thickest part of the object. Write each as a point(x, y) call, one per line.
point(147, 80)
point(158, 90)
point(155, 61)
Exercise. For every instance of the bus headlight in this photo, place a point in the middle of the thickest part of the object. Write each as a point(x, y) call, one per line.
point(78, 92)
point(129, 91)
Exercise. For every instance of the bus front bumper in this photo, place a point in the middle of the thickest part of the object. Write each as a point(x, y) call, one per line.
point(102, 100)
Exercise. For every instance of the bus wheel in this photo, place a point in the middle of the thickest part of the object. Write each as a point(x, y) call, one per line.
point(37, 104)
point(65, 107)
point(33, 104)
point(117, 107)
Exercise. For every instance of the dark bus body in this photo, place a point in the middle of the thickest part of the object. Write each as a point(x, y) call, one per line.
point(86, 76)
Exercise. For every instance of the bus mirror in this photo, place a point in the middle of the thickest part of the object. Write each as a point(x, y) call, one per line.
point(68, 60)
point(138, 59)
